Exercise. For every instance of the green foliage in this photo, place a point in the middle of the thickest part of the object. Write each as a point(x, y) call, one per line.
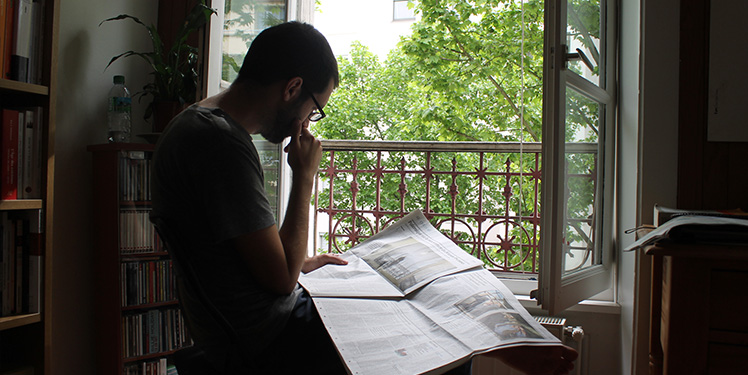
point(461, 76)
point(472, 70)
point(175, 72)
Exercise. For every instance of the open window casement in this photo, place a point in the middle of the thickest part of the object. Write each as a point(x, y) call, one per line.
point(578, 153)
point(231, 31)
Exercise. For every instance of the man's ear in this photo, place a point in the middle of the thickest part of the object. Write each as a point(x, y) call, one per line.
point(292, 89)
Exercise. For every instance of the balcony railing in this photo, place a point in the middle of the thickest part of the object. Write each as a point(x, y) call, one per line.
point(484, 196)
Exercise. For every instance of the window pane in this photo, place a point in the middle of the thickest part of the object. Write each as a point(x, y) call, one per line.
point(270, 157)
point(583, 32)
point(583, 117)
point(243, 20)
point(402, 12)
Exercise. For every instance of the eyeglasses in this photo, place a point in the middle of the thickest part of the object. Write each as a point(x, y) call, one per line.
point(317, 114)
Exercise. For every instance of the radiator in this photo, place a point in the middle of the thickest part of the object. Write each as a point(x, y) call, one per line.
point(569, 335)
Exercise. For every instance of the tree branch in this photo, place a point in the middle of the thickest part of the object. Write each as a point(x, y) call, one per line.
point(498, 86)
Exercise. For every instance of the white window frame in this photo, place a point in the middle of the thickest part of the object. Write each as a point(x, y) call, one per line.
point(301, 10)
point(557, 291)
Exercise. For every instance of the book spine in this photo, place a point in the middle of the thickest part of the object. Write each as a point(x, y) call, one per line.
point(153, 331)
point(18, 244)
point(22, 42)
point(3, 32)
point(7, 264)
point(19, 153)
point(19, 69)
point(8, 36)
point(11, 243)
point(36, 252)
point(26, 156)
point(36, 159)
point(37, 42)
point(4, 271)
point(8, 147)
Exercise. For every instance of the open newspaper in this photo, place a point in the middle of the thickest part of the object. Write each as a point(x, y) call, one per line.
point(410, 301)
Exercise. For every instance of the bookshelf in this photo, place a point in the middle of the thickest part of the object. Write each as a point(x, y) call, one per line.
point(138, 321)
point(25, 330)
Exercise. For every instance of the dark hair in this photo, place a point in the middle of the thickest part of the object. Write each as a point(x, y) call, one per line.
point(291, 49)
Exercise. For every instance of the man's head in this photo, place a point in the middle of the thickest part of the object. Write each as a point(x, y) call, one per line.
point(298, 56)
point(291, 49)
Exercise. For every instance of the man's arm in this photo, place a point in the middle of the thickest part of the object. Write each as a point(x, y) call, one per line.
point(276, 257)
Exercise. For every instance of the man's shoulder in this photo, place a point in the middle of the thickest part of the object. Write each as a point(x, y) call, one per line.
point(206, 126)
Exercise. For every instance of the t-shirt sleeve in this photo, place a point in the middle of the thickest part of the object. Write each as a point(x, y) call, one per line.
point(233, 192)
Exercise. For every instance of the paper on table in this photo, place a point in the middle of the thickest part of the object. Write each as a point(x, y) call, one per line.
point(664, 230)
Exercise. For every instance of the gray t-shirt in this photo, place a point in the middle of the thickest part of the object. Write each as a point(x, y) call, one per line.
point(208, 186)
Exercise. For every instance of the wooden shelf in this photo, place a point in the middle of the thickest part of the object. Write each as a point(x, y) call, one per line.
point(21, 204)
point(114, 328)
point(149, 356)
point(124, 147)
point(148, 306)
point(144, 256)
point(30, 88)
point(8, 322)
point(26, 339)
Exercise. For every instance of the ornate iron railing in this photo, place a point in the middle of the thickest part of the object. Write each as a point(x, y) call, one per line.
point(484, 196)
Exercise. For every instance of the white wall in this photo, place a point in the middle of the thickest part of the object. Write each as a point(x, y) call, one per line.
point(628, 125)
point(84, 50)
point(648, 140)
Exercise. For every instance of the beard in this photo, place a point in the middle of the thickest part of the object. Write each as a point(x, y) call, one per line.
point(282, 127)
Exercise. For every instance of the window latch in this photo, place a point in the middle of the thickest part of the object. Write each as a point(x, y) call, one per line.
point(578, 55)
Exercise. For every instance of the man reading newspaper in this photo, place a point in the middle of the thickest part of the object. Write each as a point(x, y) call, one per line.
point(208, 190)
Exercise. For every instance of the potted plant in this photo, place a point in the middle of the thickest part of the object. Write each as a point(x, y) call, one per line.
point(175, 71)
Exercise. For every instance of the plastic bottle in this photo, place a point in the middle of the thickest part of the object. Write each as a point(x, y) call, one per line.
point(118, 116)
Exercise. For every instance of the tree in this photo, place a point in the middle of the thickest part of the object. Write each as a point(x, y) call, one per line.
point(471, 71)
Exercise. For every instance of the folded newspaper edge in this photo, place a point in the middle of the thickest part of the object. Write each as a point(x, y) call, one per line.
point(663, 231)
point(410, 301)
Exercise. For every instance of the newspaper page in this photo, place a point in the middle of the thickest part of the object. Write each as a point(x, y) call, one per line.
point(385, 336)
point(480, 311)
point(437, 328)
point(443, 311)
point(393, 263)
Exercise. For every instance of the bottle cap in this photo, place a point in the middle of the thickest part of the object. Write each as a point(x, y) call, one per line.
point(119, 80)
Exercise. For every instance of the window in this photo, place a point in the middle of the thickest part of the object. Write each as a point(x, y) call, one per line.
point(577, 107)
point(237, 24)
point(578, 170)
point(402, 11)
point(242, 20)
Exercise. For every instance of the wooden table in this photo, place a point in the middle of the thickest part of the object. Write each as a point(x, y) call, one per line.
point(699, 310)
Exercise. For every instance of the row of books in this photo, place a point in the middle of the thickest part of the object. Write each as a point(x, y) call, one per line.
point(136, 233)
point(21, 153)
point(21, 45)
point(153, 331)
point(135, 176)
point(21, 263)
point(147, 282)
point(157, 367)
